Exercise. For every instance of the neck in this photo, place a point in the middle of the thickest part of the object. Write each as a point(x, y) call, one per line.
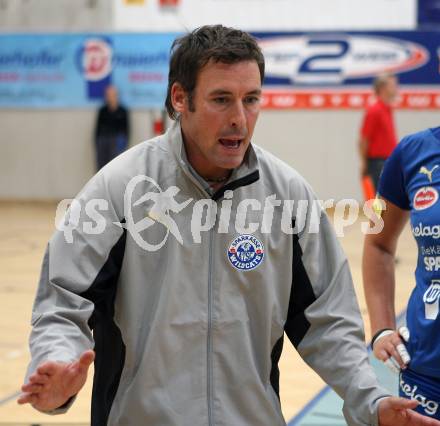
point(217, 179)
point(386, 100)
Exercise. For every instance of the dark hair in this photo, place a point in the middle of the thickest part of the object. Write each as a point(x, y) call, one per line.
point(190, 53)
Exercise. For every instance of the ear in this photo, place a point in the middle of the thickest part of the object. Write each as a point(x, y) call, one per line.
point(179, 98)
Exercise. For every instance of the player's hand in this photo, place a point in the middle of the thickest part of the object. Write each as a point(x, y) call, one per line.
point(53, 383)
point(390, 349)
point(394, 411)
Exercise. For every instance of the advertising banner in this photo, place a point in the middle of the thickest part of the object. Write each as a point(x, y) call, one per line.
point(72, 70)
point(313, 70)
point(335, 70)
point(428, 14)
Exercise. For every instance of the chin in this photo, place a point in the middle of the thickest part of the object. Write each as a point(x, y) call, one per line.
point(231, 164)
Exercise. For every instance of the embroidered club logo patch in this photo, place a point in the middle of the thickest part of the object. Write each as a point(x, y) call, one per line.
point(425, 197)
point(245, 252)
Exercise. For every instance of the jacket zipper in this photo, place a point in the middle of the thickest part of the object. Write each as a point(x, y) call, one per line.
point(209, 337)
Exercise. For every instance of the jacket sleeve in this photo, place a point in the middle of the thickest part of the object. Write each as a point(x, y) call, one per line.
point(79, 273)
point(324, 321)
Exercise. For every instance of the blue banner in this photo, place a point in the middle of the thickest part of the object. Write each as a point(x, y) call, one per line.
point(428, 14)
point(335, 70)
point(72, 70)
point(350, 58)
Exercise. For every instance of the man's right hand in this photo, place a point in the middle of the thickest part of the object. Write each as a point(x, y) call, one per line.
point(53, 383)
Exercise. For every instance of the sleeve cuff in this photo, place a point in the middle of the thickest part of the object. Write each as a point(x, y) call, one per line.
point(61, 409)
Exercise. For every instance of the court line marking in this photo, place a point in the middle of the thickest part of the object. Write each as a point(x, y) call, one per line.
point(295, 421)
point(17, 353)
point(9, 397)
point(309, 406)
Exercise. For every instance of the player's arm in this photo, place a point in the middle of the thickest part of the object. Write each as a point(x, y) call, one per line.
point(378, 263)
point(368, 128)
point(363, 149)
point(379, 283)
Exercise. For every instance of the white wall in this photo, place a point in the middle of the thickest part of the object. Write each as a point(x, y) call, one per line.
point(56, 15)
point(251, 15)
point(270, 15)
point(322, 145)
point(49, 155)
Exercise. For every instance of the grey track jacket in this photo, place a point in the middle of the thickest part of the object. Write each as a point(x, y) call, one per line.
point(186, 297)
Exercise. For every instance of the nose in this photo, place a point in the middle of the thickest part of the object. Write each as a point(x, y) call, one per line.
point(238, 116)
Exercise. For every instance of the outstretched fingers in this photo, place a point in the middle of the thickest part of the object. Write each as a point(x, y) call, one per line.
point(403, 403)
point(417, 419)
point(40, 379)
point(399, 411)
point(32, 388)
point(53, 383)
point(49, 368)
point(27, 398)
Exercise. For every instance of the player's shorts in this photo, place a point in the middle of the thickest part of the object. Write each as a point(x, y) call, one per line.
point(424, 389)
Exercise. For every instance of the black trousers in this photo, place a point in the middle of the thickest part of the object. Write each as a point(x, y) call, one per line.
point(109, 147)
point(374, 170)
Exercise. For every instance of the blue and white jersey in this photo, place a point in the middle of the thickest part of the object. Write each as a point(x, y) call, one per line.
point(411, 180)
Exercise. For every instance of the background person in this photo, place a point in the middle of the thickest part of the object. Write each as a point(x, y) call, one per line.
point(378, 135)
point(112, 128)
point(191, 333)
point(409, 185)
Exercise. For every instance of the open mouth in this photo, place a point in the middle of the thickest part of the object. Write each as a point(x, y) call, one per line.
point(231, 143)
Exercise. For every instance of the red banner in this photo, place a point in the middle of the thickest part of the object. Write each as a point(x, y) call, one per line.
point(345, 99)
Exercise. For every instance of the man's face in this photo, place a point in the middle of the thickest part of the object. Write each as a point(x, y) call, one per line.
point(219, 124)
point(391, 89)
point(111, 96)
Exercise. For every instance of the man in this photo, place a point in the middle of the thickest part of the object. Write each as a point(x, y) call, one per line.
point(378, 134)
point(112, 128)
point(199, 271)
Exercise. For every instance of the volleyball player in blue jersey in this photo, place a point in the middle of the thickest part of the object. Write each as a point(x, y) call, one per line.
point(410, 186)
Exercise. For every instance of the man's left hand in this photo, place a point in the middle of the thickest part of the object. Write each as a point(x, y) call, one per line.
point(394, 411)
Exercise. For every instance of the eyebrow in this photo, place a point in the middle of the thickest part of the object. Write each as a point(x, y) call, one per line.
point(226, 92)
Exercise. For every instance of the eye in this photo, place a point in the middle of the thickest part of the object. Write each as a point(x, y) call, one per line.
point(251, 100)
point(221, 100)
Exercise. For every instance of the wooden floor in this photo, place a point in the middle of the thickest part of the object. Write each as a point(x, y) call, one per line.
point(24, 231)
